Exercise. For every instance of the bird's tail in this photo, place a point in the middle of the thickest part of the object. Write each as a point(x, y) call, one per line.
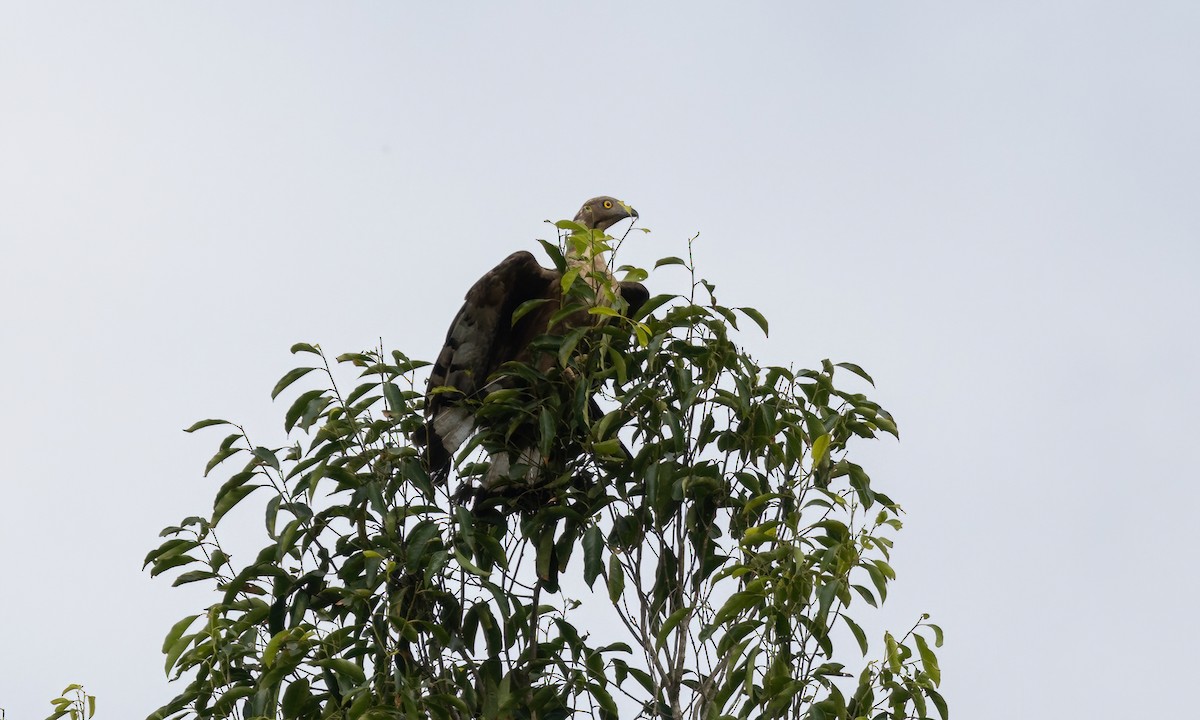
point(433, 453)
point(441, 437)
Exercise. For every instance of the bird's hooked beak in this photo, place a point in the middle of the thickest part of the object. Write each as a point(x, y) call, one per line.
point(629, 209)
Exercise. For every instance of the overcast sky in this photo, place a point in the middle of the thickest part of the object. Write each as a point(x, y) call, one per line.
point(992, 207)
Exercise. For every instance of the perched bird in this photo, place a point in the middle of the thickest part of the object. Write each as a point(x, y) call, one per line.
point(483, 336)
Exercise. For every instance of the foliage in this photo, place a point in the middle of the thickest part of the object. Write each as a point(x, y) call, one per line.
point(711, 499)
point(74, 703)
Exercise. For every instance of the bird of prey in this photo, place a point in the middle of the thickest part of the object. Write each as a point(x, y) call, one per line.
point(483, 336)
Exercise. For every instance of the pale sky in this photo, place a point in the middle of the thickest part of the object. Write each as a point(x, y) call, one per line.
point(990, 207)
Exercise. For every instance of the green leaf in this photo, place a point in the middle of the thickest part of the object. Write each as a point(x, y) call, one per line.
point(568, 278)
point(937, 634)
point(756, 316)
point(176, 631)
point(939, 702)
point(819, 448)
point(662, 262)
point(918, 700)
point(878, 578)
point(526, 307)
point(296, 697)
point(857, 371)
point(593, 554)
point(170, 548)
point(174, 561)
point(267, 457)
point(634, 274)
point(893, 652)
point(928, 660)
point(608, 448)
point(672, 621)
point(886, 569)
point(570, 225)
point(225, 703)
point(300, 407)
point(545, 431)
point(887, 425)
point(175, 651)
point(206, 423)
point(760, 534)
point(468, 565)
point(737, 603)
point(193, 576)
point(356, 359)
point(291, 377)
point(272, 648)
point(221, 456)
point(866, 595)
point(616, 578)
point(727, 314)
point(603, 310)
point(570, 340)
point(859, 635)
point(608, 706)
point(227, 500)
point(344, 669)
point(554, 253)
point(305, 347)
point(652, 304)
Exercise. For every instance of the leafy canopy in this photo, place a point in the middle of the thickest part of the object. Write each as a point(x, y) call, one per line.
point(710, 504)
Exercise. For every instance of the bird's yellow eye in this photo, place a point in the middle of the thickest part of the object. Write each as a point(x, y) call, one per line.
point(608, 204)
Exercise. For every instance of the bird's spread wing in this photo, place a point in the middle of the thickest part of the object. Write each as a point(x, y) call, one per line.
point(480, 339)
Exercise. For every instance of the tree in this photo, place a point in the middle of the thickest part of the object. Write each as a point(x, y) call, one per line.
point(712, 506)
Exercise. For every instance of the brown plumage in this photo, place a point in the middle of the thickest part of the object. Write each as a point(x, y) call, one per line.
point(482, 336)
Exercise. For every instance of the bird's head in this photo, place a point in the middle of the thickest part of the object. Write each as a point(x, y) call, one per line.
point(600, 213)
